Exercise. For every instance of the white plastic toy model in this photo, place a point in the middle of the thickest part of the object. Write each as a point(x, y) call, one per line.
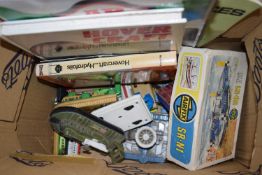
point(126, 114)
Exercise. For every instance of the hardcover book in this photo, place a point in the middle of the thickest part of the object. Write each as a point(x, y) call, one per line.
point(124, 32)
point(33, 9)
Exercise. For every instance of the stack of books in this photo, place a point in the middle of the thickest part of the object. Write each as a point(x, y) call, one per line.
point(129, 47)
point(92, 50)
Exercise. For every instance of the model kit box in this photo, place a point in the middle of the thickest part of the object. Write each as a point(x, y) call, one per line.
point(205, 107)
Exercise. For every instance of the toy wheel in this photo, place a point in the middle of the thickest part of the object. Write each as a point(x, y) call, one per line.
point(145, 137)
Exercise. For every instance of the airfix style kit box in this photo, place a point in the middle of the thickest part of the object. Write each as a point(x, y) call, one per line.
point(206, 106)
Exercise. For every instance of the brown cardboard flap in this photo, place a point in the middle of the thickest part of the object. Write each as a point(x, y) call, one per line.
point(39, 101)
point(257, 154)
point(54, 165)
point(253, 43)
point(245, 26)
point(225, 44)
point(33, 128)
point(15, 71)
point(43, 167)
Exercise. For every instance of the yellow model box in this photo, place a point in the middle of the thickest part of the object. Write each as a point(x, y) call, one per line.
point(206, 107)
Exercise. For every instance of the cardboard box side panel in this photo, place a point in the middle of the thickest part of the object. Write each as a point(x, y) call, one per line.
point(8, 139)
point(257, 158)
point(247, 127)
point(225, 44)
point(33, 128)
point(7, 126)
point(173, 169)
point(99, 167)
point(253, 43)
point(39, 101)
point(16, 69)
point(54, 168)
point(35, 136)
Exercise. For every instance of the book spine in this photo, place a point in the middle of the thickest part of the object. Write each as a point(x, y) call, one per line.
point(49, 50)
point(126, 62)
point(62, 145)
point(73, 148)
point(90, 102)
point(56, 143)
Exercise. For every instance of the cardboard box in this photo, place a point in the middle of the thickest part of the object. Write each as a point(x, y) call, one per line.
point(206, 107)
point(27, 128)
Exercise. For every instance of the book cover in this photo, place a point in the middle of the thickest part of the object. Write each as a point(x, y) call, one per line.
point(106, 33)
point(125, 69)
point(31, 9)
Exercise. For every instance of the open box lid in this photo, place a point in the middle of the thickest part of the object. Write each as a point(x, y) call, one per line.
point(105, 33)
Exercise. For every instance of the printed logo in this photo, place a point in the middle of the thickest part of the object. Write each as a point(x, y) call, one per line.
point(58, 68)
point(15, 67)
point(233, 114)
point(229, 11)
point(185, 108)
point(257, 67)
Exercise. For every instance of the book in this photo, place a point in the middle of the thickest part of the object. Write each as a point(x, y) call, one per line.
point(164, 94)
point(73, 148)
point(107, 33)
point(60, 145)
point(89, 103)
point(63, 146)
point(125, 69)
point(32, 9)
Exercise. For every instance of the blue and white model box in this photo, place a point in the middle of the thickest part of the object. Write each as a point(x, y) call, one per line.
point(205, 107)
